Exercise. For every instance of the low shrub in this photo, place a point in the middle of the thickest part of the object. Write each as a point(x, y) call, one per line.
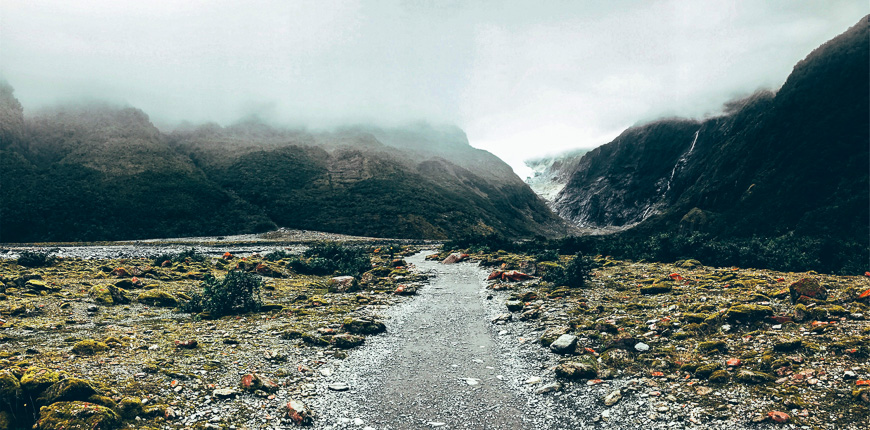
point(237, 292)
point(574, 274)
point(190, 255)
point(330, 258)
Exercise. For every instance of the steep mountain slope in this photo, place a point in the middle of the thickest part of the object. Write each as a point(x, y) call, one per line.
point(791, 162)
point(353, 182)
point(98, 172)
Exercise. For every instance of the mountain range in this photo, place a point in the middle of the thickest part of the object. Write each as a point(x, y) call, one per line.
point(102, 172)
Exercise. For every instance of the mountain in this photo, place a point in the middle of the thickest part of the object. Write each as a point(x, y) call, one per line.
point(100, 172)
point(791, 162)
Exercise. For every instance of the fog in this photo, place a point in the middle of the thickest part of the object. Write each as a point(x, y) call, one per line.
point(522, 78)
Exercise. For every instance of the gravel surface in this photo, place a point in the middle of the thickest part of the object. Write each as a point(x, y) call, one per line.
point(443, 364)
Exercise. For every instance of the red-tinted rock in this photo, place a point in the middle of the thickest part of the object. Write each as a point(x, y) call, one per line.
point(254, 382)
point(454, 258)
point(228, 256)
point(733, 362)
point(514, 275)
point(808, 287)
point(186, 344)
point(121, 272)
point(299, 413)
point(496, 274)
point(777, 416)
point(865, 296)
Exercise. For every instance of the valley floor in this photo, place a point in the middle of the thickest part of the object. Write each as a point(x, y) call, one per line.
point(644, 345)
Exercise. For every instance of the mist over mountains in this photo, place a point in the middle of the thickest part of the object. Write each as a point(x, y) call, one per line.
point(100, 172)
point(793, 162)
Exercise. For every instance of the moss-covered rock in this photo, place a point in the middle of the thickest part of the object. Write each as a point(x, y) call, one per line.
point(130, 407)
point(67, 390)
point(694, 318)
point(617, 358)
point(77, 416)
point(787, 345)
point(713, 346)
point(157, 297)
point(36, 380)
point(10, 389)
point(347, 341)
point(657, 288)
point(101, 294)
point(748, 313)
point(551, 334)
point(89, 347)
point(574, 370)
point(751, 377)
point(719, 377)
point(704, 371)
point(364, 326)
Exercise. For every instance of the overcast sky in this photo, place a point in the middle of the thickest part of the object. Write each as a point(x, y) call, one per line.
point(522, 78)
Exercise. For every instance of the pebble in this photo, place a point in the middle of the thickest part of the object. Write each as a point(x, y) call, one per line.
point(641, 347)
point(338, 387)
point(612, 398)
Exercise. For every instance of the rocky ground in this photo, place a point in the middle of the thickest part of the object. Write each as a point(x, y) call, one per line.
point(101, 342)
point(684, 345)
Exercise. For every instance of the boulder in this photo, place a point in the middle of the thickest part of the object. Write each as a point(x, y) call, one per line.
point(342, 284)
point(751, 377)
point(67, 390)
point(748, 313)
point(808, 287)
point(157, 297)
point(10, 389)
point(551, 334)
point(364, 326)
point(574, 370)
point(299, 413)
point(252, 382)
point(657, 288)
point(89, 347)
point(36, 380)
point(130, 407)
point(347, 341)
point(77, 416)
point(454, 258)
point(564, 344)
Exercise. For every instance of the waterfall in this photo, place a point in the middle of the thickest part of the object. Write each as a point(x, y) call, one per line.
point(681, 161)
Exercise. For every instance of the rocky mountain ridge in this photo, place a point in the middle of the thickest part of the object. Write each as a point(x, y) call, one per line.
point(794, 161)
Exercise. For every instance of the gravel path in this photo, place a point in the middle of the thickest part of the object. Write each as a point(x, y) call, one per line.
point(442, 364)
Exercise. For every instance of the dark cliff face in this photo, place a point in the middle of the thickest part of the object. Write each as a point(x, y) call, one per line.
point(794, 161)
point(99, 172)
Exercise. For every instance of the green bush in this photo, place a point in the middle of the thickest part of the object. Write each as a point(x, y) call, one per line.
point(190, 255)
point(36, 258)
point(330, 258)
point(278, 254)
point(238, 292)
point(574, 275)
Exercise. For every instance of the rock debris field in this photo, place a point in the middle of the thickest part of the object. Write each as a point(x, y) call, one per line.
point(422, 339)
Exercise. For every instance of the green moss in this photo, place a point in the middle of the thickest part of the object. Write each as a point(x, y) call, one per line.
point(89, 347)
point(69, 389)
point(713, 345)
point(748, 313)
point(719, 377)
point(10, 389)
point(37, 379)
point(77, 416)
point(706, 370)
point(130, 407)
point(157, 297)
point(101, 295)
